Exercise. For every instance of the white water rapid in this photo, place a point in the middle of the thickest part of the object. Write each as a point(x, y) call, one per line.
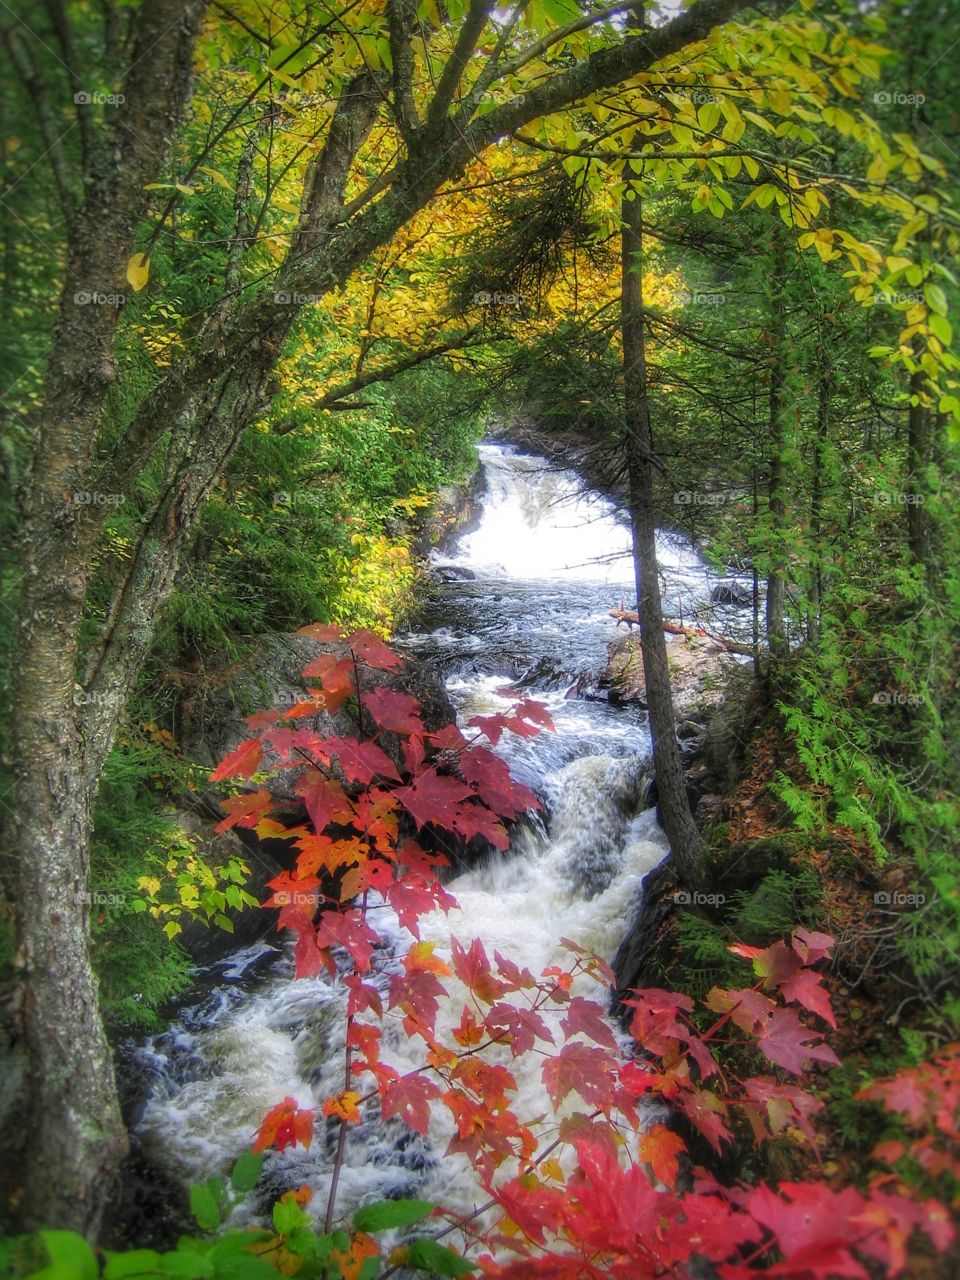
point(545, 564)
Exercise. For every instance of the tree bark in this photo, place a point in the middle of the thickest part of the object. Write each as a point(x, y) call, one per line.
point(76, 1137)
point(685, 843)
point(776, 494)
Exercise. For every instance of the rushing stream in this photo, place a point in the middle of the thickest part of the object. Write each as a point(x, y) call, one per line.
point(523, 598)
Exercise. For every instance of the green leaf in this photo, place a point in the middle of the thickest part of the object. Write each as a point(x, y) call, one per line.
point(135, 1263)
point(936, 299)
point(186, 1265)
point(391, 1213)
point(940, 327)
point(246, 1171)
point(204, 1207)
point(244, 1267)
point(287, 1216)
point(427, 1255)
point(67, 1249)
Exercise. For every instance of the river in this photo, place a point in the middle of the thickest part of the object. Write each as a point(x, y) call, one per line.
point(546, 562)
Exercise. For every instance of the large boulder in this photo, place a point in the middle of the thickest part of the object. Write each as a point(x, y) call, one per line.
point(731, 592)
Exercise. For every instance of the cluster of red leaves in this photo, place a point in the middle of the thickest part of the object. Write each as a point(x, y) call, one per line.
point(591, 1190)
point(285, 1125)
point(926, 1100)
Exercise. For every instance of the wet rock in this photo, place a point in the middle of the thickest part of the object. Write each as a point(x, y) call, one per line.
point(708, 811)
point(690, 729)
point(734, 593)
point(698, 671)
point(456, 510)
point(652, 905)
point(454, 573)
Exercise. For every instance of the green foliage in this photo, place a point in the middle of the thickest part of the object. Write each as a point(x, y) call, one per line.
point(138, 968)
point(758, 916)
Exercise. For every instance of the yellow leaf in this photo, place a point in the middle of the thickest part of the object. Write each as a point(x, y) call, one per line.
point(218, 178)
point(138, 271)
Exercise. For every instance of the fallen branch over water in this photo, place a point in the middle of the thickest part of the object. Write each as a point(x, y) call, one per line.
point(691, 633)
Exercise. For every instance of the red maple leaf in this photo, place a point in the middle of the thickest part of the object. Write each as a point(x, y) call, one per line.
point(477, 820)
point(660, 1148)
point(783, 1104)
point(784, 1040)
point(369, 646)
point(582, 1069)
point(324, 798)
point(414, 895)
point(707, 1112)
point(242, 762)
point(244, 810)
point(409, 1098)
point(417, 993)
point(748, 1009)
point(337, 678)
point(449, 738)
point(806, 988)
point(433, 797)
point(812, 947)
point(473, 969)
point(360, 761)
point(350, 930)
point(398, 712)
point(284, 1126)
point(517, 979)
point(587, 1018)
point(491, 777)
point(522, 1027)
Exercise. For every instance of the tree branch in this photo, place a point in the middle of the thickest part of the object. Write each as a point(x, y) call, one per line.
point(52, 136)
point(331, 399)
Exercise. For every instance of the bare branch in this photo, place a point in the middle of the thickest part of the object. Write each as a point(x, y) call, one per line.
point(52, 134)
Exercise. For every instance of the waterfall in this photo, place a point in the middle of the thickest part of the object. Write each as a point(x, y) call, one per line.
point(549, 559)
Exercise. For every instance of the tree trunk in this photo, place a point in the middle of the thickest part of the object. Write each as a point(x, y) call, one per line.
point(820, 444)
point(776, 494)
point(685, 843)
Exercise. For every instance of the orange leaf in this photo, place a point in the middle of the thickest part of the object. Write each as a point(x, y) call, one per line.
point(351, 1260)
point(343, 1106)
point(284, 1126)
